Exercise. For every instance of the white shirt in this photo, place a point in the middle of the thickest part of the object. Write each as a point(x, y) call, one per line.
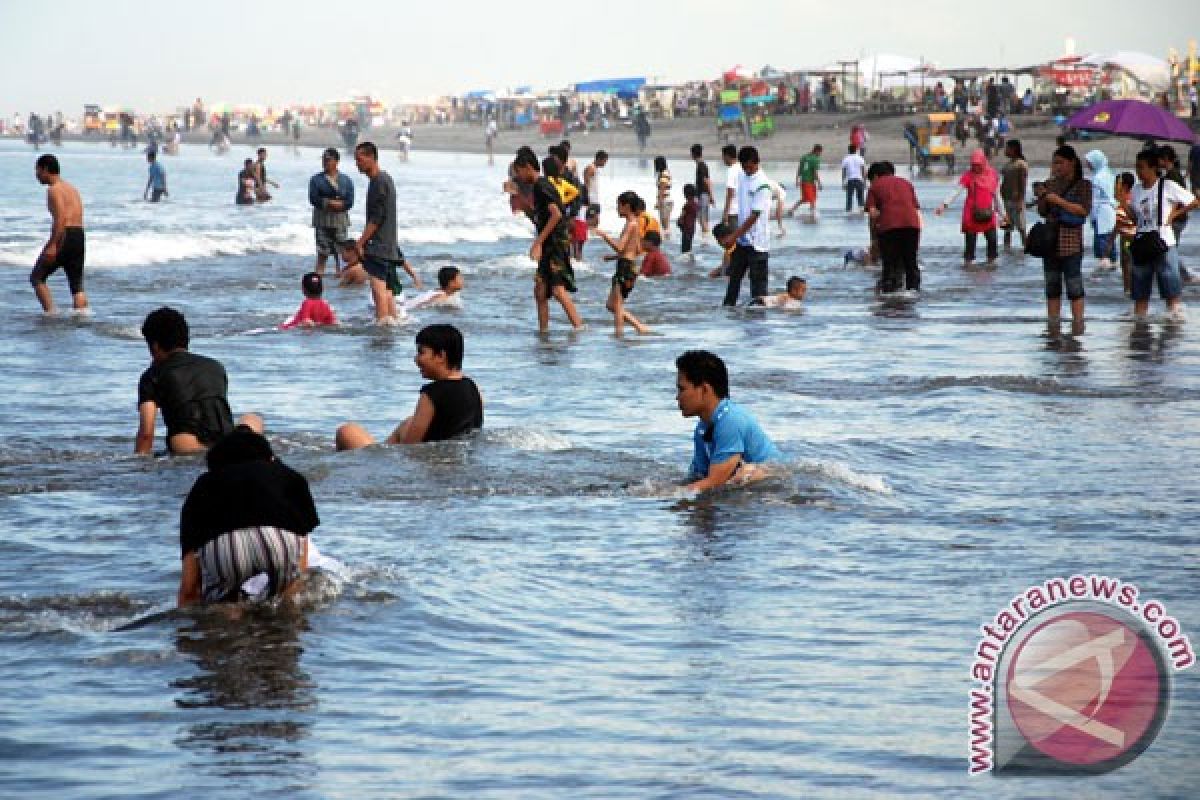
point(1145, 204)
point(754, 194)
point(853, 167)
point(732, 178)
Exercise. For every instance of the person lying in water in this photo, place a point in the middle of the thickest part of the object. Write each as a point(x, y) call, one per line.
point(728, 443)
point(249, 515)
point(450, 405)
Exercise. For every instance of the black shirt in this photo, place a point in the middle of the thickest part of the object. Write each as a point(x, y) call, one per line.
point(545, 196)
point(190, 390)
point(251, 494)
point(457, 408)
point(701, 178)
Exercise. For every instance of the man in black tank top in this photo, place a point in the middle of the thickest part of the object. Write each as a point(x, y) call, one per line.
point(449, 406)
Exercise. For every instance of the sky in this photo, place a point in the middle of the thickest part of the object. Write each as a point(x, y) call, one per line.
point(158, 56)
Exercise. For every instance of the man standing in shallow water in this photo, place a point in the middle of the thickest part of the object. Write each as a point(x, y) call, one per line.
point(65, 247)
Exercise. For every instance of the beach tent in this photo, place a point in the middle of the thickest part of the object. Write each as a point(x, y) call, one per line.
point(624, 88)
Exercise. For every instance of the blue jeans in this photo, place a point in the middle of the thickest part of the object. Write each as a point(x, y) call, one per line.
point(1064, 270)
point(1104, 245)
point(854, 188)
point(1164, 269)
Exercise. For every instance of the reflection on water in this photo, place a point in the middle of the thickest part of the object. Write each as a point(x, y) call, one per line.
point(252, 703)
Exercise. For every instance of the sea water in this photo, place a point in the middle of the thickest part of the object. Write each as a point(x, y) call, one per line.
point(539, 611)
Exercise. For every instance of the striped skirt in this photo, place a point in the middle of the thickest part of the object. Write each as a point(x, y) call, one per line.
point(229, 560)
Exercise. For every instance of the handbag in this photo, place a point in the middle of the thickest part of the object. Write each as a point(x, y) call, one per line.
point(1148, 246)
point(1041, 239)
point(982, 215)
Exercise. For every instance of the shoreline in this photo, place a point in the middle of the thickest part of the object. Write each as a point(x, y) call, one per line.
point(794, 137)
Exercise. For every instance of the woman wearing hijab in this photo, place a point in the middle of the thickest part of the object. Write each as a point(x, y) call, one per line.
point(1066, 201)
point(982, 210)
point(1104, 208)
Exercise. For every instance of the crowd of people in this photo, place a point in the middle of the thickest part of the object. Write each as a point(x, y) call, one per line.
point(246, 523)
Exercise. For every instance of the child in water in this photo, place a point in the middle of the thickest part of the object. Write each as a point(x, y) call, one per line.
point(720, 231)
point(627, 248)
point(797, 287)
point(450, 283)
point(313, 311)
point(654, 263)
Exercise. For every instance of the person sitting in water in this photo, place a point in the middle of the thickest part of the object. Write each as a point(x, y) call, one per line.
point(190, 389)
point(792, 298)
point(450, 405)
point(313, 311)
point(450, 283)
point(728, 442)
point(654, 262)
point(249, 515)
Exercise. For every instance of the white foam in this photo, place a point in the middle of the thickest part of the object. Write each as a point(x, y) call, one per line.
point(841, 473)
point(530, 440)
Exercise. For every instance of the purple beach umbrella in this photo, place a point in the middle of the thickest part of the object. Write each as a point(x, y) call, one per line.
point(1133, 118)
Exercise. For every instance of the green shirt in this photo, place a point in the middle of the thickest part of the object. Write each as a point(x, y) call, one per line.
point(809, 165)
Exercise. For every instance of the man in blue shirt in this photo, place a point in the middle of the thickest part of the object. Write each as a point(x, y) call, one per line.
point(157, 182)
point(728, 441)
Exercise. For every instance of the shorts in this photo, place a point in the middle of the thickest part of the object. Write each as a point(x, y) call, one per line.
point(1060, 270)
point(554, 268)
point(70, 259)
point(808, 193)
point(234, 557)
point(1164, 270)
point(624, 277)
point(329, 240)
point(579, 231)
point(384, 269)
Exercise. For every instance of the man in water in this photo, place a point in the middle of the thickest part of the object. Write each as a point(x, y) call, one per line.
point(751, 238)
point(190, 389)
point(728, 443)
point(156, 182)
point(260, 172)
point(65, 247)
point(377, 246)
point(246, 522)
point(331, 195)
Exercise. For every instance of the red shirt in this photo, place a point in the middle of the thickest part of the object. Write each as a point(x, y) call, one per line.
point(655, 264)
point(313, 311)
point(897, 203)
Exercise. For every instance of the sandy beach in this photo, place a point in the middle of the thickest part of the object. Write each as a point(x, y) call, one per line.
point(794, 136)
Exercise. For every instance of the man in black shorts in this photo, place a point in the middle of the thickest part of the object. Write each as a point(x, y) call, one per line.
point(190, 389)
point(65, 247)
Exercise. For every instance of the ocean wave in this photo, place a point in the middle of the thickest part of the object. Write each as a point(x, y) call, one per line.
point(107, 249)
point(840, 473)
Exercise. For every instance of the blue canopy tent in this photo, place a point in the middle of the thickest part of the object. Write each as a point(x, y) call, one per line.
point(624, 88)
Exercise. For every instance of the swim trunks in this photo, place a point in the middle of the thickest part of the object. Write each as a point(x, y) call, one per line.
point(624, 277)
point(232, 558)
point(554, 268)
point(70, 259)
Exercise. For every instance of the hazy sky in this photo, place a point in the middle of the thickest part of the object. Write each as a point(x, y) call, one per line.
point(156, 56)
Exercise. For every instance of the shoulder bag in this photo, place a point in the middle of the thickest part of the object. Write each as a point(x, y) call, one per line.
point(1148, 246)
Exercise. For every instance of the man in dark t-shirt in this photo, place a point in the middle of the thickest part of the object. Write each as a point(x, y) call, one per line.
point(703, 184)
point(449, 406)
point(190, 390)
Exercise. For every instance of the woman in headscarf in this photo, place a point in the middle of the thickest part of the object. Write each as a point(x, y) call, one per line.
point(1104, 209)
point(982, 210)
point(1066, 201)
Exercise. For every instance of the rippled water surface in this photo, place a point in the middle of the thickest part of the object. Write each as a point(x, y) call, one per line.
point(539, 612)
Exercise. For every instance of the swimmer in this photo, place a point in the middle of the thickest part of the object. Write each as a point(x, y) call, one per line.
point(314, 311)
point(450, 281)
point(65, 247)
point(249, 515)
point(449, 406)
point(190, 389)
point(728, 443)
point(797, 288)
